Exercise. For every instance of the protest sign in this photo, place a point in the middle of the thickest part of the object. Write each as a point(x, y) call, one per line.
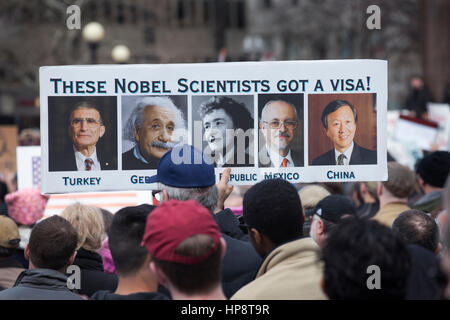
point(8, 144)
point(105, 127)
point(418, 132)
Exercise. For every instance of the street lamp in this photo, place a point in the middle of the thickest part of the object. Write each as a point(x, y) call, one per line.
point(93, 33)
point(120, 53)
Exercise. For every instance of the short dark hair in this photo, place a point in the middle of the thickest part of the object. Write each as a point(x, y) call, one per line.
point(237, 111)
point(332, 107)
point(274, 208)
point(125, 237)
point(416, 227)
point(354, 246)
point(195, 278)
point(52, 242)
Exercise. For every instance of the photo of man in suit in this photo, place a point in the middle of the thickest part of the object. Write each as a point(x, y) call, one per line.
point(151, 128)
point(339, 119)
point(225, 124)
point(85, 129)
point(278, 123)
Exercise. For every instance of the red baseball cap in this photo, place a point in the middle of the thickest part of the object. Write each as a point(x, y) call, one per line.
point(173, 222)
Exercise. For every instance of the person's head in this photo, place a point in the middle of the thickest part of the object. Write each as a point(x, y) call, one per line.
point(186, 247)
point(153, 124)
point(272, 211)
point(26, 206)
point(339, 120)
point(416, 227)
point(400, 182)
point(88, 222)
point(433, 170)
point(86, 126)
point(125, 237)
point(416, 82)
point(327, 213)
point(185, 174)
point(278, 123)
point(52, 245)
point(9, 237)
point(309, 197)
point(107, 218)
point(364, 192)
point(220, 117)
point(364, 260)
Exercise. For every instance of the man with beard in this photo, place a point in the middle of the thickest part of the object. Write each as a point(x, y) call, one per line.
point(278, 124)
point(151, 127)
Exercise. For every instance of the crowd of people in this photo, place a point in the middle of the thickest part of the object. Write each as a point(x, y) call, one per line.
point(279, 241)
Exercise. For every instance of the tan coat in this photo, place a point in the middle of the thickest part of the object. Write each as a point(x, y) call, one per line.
point(387, 214)
point(290, 272)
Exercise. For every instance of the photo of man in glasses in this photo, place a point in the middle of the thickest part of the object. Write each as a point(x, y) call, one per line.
point(278, 124)
point(85, 129)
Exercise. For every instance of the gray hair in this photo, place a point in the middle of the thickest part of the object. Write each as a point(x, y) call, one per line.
point(137, 115)
point(207, 196)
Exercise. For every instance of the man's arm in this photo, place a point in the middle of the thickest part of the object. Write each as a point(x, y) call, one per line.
point(225, 218)
point(224, 189)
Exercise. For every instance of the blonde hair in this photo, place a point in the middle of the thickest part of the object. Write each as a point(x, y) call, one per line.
point(88, 222)
point(311, 195)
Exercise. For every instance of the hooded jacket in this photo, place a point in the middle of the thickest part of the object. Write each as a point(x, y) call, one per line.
point(40, 284)
point(289, 272)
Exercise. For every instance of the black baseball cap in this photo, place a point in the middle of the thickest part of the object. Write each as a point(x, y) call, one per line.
point(333, 207)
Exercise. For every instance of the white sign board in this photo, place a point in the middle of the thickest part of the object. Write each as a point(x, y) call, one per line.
point(105, 127)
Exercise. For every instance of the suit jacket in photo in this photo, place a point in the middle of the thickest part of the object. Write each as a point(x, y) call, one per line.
point(65, 161)
point(249, 161)
point(130, 162)
point(264, 158)
point(360, 155)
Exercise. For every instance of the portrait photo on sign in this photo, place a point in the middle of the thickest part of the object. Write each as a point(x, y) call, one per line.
point(151, 126)
point(82, 133)
point(342, 129)
point(280, 124)
point(225, 127)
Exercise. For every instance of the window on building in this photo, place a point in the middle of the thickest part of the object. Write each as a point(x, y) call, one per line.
point(206, 11)
point(92, 11)
point(107, 9)
point(133, 14)
point(149, 35)
point(240, 15)
point(181, 13)
point(120, 13)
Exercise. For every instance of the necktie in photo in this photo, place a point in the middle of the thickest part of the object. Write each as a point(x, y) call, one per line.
point(341, 158)
point(284, 163)
point(88, 164)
